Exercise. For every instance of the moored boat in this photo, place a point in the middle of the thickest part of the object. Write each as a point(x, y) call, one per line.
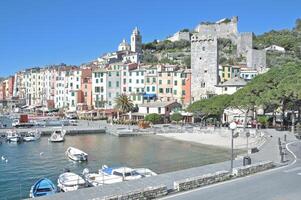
point(145, 172)
point(13, 136)
point(32, 136)
point(70, 181)
point(76, 154)
point(98, 179)
point(57, 136)
point(125, 173)
point(42, 187)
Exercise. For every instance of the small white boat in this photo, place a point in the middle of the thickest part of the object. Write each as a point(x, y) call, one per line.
point(145, 172)
point(43, 187)
point(32, 136)
point(125, 173)
point(76, 154)
point(98, 179)
point(57, 136)
point(70, 182)
point(13, 136)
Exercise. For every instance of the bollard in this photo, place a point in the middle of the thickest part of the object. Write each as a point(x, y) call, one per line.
point(282, 157)
point(284, 137)
point(279, 141)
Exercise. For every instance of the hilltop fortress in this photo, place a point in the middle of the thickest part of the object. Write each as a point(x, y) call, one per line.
point(204, 55)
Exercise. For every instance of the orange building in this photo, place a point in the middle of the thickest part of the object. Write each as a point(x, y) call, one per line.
point(85, 96)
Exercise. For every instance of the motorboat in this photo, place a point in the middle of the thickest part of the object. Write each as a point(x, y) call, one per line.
point(70, 182)
point(76, 154)
point(98, 179)
point(125, 173)
point(57, 136)
point(42, 187)
point(32, 136)
point(13, 136)
point(145, 172)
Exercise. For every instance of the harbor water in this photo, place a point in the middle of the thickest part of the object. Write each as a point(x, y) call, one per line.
point(27, 162)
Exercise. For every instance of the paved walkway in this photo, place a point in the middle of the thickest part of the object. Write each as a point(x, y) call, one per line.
point(268, 151)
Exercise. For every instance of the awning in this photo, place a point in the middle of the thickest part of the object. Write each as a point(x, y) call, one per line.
point(146, 95)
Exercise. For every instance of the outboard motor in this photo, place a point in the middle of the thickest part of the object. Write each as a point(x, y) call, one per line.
point(85, 171)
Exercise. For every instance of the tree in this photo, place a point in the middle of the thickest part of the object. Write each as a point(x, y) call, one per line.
point(153, 118)
point(176, 117)
point(212, 107)
point(124, 103)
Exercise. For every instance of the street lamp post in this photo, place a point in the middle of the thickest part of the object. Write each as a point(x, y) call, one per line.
point(232, 127)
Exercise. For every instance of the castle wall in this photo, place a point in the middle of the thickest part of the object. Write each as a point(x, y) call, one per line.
point(256, 59)
point(204, 65)
point(221, 29)
point(244, 42)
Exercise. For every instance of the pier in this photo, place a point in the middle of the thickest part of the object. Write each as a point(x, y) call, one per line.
point(83, 127)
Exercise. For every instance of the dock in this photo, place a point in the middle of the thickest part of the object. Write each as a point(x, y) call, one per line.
point(83, 127)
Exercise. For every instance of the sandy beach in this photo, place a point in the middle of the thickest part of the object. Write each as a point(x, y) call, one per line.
point(220, 139)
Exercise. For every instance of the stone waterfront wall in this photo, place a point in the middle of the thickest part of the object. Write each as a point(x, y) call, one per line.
point(199, 181)
point(145, 193)
point(251, 169)
point(207, 179)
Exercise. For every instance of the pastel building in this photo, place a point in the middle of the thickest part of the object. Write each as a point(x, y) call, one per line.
point(99, 88)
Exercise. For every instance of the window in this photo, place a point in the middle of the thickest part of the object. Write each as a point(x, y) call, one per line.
point(142, 81)
point(110, 84)
point(110, 74)
point(168, 74)
point(77, 86)
point(154, 80)
point(147, 88)
point(147, 80)
point(117, 73)
point(110, 94)
point(203, 48)
point(183, 92)
point(137, 81)
point(226, 88)
point(130, 80)
point(124, 81)
point(168, 81)
point(175, 92)
point(72, 94)
point(124, 73)
point(85, 86)
point(176, 83)
point(183, 82)
point(97, 89)
point(101, 80)
point(153, 88)
point(161, 90)
point(130, 89)
point(137, 73)
point(117, 83)
point(101, 89)
point(159, 110)
point(130, 73)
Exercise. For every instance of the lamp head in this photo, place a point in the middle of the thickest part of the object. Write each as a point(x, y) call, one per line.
point(232, 125)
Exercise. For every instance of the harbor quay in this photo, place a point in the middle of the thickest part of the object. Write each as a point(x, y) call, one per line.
point(182, 180)
point(82, 127)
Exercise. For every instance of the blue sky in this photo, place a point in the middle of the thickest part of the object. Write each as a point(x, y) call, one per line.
point(40, 32)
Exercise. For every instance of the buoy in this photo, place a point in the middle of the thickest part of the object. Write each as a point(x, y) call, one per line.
point(41, 153)
point(6, 160)
point(2, 158)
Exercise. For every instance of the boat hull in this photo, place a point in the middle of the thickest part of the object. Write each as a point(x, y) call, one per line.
point(43, 187)
point(76, 154)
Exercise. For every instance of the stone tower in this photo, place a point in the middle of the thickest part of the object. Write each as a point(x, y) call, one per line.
point(204, 66)
point(136, 41)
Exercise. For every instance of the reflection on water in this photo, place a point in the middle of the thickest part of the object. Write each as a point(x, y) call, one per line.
point(28, 162)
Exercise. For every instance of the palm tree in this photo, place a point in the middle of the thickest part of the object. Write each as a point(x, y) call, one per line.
point(124, 103)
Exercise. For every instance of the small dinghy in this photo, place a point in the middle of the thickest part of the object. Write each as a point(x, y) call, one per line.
point(42, 187)
point(57, 136)
point(32, 136)
point(76, 154)
point(13, 136)
point(70, 182)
